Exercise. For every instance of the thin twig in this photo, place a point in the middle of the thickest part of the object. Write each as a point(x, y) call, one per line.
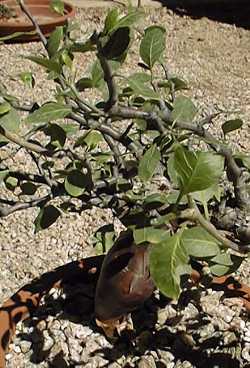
point(234, 172)
point(158, 121)
point(85, 106)
point(116, 153)
point(127, 113)
point(41, 170)
point(15, 138)
point(113, 133)
point(108, 76)
point(44, 42)
point(21, 176)
point(33, 21)
point(167, 76)
point(211, 229)
point(17, 206)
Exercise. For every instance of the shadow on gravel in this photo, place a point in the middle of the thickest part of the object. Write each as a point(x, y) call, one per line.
point(76, 303)
point(163, 341)
point(231, 11)
point(77, 306)
point(81, 274)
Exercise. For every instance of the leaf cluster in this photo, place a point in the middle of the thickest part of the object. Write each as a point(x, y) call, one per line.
point(138, 148)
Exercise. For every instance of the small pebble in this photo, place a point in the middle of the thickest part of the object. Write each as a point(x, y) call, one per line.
point(147, 362)
point(48, 341)
point(8, 356)
point(165, 356)
point(25, 346)
point(17, 349)
point(246, 353)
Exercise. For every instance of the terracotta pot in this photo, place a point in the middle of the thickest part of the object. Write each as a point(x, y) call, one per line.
point(40, 9)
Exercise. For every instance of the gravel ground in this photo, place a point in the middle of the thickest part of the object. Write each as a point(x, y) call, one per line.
point(203, 331)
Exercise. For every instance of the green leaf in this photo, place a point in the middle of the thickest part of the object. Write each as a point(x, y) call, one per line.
point(197, 170)
point(172, 170)
point(102, 157)
point(117, 44)
point(231, 125)
point(150, 235)
point(82, 46)
point(140, 77)
point(3, 175)
point(91, 139)
point(223, 259)
point(174, 196)
point(28, 188)
point(111, 20)
point(11, 183)
point(84, 83)
point(183, 109)
point(199, 243)
point(128, 20)
point(152, 45)
point(159, 198)
point(178, 83)
point(76, 183)
point(109, 239)
point(67, 59)
point(28, 79)
point(204, 196)
point(16, 34)
point(4, 108)
point(96, 74)
point(148, 163)
point(57, 135)
point(168, 261)
point(103, 239)
point(50, 65)
point(55, 40)
point(69, 128)
point(219, 270)
point(141, 124)
point(10, 122)
point(46, 217)
point(48, 112)
point(173, 84)
point(244, 158)
point(57, 6)
point(141, 89)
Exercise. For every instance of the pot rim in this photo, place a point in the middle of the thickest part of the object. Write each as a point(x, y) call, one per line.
point(23, 26)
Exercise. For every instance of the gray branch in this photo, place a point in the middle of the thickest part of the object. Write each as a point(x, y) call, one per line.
point(33, 21)
point(108, 76)
point(18, 206)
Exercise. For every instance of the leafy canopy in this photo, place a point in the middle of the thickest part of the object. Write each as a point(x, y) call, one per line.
point(134, 148)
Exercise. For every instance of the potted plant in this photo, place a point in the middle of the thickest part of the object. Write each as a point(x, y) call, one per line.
point(48, 14)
